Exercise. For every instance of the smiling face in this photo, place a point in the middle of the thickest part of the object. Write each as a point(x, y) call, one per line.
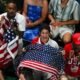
point(44, 35)
point(11, 10)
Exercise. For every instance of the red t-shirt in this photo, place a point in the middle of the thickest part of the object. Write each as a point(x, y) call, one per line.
point(72, 66)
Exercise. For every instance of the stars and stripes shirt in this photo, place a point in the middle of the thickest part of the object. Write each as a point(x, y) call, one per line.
point(9, 33)
point(42, 58)
point(9, 36)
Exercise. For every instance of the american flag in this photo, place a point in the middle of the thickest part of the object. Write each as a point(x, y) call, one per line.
point(9, 48)
point(8, 27)
point(5, 56)
point(9, 35)
point(42, 58)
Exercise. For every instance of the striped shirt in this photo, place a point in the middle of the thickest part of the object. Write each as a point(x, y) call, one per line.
point(70, 12)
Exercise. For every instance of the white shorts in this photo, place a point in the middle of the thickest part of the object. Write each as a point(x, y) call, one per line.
point(60, 31)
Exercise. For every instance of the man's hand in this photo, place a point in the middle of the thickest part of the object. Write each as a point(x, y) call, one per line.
point(57, 23)
point(23, 50)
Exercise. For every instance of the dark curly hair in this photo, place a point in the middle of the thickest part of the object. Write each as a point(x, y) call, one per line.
point(45, 26)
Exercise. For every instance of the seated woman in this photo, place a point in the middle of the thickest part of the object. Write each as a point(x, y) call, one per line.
point(35, 12)
point(44, 37)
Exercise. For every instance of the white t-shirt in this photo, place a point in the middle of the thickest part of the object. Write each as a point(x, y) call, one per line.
point(50, 42)
point(20, 20)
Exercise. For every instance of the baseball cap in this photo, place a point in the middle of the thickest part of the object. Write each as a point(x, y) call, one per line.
point(76, 38)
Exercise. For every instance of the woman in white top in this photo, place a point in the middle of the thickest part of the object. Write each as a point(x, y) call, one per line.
point(44, 37)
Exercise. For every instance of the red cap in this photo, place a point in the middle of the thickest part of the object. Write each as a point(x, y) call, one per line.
point(76, 38)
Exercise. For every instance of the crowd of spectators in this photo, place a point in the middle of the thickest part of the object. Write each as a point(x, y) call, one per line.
point(37, 36)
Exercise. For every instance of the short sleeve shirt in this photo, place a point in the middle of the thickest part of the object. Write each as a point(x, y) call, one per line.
point(20, 20)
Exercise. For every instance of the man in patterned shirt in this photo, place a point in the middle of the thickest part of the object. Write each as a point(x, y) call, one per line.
point(13, 18)
point(64, 14)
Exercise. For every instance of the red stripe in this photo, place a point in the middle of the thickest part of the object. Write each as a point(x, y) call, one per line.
point(2, 65)
point(39, 64)
point(45, 69)
point(37, 68)
point(7, 54)
point(5, 60)
point(41, 69)
point(2, 51)
point(4, 47)
point(53, 78)
point(14, 49)
point(4, 56)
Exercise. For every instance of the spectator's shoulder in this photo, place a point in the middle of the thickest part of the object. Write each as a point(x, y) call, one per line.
point(52, 41)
